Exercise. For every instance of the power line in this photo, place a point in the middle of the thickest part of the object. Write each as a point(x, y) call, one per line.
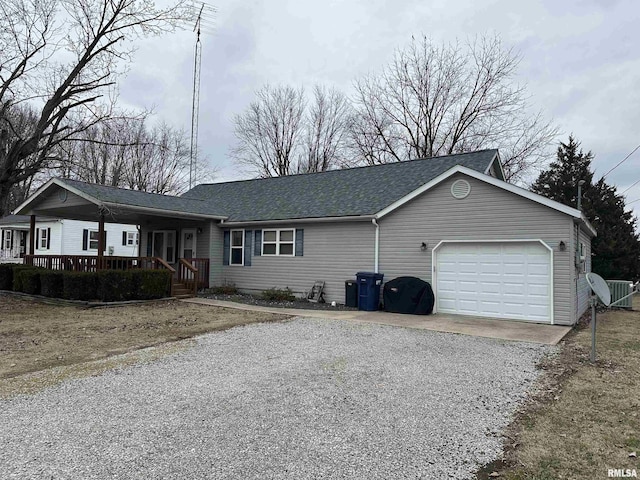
point(633, 185)
point(637, 200)
point(621, 161)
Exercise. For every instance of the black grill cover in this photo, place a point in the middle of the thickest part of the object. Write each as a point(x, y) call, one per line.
point(408, 295)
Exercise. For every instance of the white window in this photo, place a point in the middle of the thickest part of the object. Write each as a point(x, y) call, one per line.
point(132, 238)
point(278, 242)
point(93, 239)
point(7, 238)
point(582, 260)
point(43, 238)
point(237, 247)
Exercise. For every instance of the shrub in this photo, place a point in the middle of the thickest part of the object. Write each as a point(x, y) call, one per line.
point(79, 285)
point(225, 289)
point(6, 276)
point(27, 280)
point(17, 282)
point(52, 283)
point(115, 285)
point(278, 295)
point(150, 284)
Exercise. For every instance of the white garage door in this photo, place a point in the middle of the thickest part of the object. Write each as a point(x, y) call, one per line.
point(503, 280)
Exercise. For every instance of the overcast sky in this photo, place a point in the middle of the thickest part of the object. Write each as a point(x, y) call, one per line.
point(579, 61)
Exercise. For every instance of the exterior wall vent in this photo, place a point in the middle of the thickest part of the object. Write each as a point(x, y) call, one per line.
point(460, 189)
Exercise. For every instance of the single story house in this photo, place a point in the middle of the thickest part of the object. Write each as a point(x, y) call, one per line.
point(59, 236)
point(488, 248)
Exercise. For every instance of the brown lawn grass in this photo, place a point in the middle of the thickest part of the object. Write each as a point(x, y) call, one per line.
point(35, 336)
point(587, 418)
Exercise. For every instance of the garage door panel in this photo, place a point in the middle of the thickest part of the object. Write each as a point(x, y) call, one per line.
point(503, 280)
point(539, 290)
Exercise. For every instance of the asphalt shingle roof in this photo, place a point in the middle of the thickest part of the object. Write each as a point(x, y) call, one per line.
point(22, 219)
point(336, 193)
point(143, 199)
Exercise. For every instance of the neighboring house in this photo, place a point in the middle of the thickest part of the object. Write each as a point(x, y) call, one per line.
point(57, 236)
point(488, 248)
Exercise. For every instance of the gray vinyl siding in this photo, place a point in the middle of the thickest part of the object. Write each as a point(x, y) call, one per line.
point(53, 201)
point(488, 213)
point(584, 291)
point(333, 253)
point(202, 240)
point(215, 255)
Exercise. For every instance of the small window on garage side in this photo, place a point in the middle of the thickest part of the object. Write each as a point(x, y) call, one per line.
point(237, 247)
point(583, 258)
point(278, 242)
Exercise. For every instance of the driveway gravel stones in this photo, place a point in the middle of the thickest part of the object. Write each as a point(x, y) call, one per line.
point(309, 398)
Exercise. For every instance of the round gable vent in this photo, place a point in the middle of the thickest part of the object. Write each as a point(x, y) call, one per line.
point(460, 189)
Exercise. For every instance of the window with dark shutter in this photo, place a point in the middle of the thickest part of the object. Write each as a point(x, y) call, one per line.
point(248, 237)
point(237, 247)
point(299, 242)
point(257, 245)
point(226, 246)
point(85, 239)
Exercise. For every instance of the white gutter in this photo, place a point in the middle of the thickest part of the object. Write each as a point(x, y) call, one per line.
point(376, 248)
point(351, 218)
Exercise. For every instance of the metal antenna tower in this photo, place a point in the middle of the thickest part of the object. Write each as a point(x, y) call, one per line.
point(202, 22)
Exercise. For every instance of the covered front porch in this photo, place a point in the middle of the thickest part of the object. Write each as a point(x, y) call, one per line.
point(174, 238)
point(14, 231)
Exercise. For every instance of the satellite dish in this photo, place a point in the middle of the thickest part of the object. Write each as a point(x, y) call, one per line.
point(599, 287)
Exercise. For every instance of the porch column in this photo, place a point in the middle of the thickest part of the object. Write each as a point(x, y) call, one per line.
point(101, 245)
point(32, 235)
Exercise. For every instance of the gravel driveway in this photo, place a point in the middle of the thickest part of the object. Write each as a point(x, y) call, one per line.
point(300, 399)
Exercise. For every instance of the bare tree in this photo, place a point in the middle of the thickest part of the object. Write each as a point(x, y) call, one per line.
point(436, 100)
point(281, 133)
point(328, 122)
point(61, 57)
point(129, 153)
point(268, 132)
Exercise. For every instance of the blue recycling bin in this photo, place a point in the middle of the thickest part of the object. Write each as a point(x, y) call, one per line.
point(369, 284)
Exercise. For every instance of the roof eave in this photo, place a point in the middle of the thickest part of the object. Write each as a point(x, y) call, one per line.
point(349, 218)
point(586, 224)
point(163, 212)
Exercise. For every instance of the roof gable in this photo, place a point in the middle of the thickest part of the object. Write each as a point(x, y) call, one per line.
point(560, 207)
point(102, 195)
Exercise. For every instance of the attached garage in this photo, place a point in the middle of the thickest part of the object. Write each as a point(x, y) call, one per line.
point(489, 249)
point(501, 279)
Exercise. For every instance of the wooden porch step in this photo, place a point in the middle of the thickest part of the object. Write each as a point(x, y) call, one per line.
point(181, 291)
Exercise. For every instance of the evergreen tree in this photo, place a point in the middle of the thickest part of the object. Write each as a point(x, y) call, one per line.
point(560, 182)
point(616, 249)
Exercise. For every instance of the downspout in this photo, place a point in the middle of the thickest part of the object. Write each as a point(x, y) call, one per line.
point(376, 247)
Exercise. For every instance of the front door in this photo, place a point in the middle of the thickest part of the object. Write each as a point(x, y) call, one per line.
point(188, 243)
point(164, 245)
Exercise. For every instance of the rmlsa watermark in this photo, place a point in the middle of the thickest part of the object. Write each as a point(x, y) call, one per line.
point(622, 473)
